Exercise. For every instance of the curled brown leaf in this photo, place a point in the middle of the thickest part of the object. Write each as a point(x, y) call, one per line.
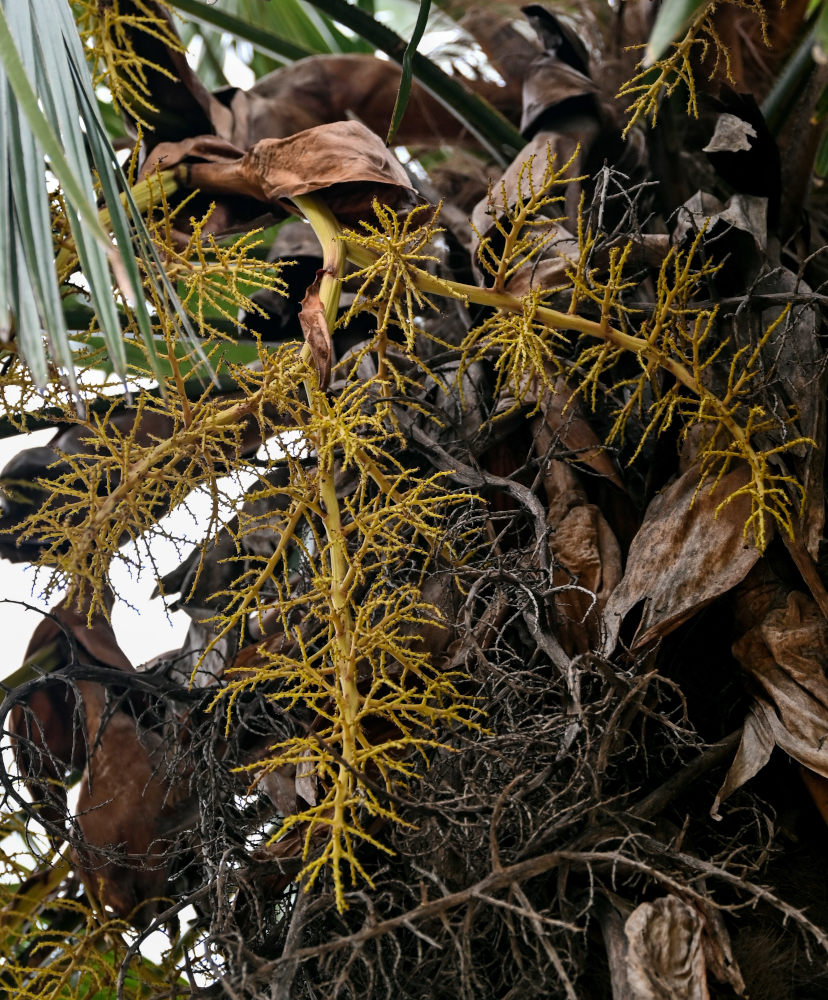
point(784, 658)
point(125, 802)
point(686, 553)
point(315, 330)
point(665, 954)
point(47, 732)
point(343, 162)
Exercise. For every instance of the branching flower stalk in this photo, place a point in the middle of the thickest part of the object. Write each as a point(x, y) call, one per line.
point(355, 663)
point(530, 226)
point(145, 194)
point(344, 659)
point(393, 282)
point(378, 699)
point(54, 944)
point(652, 84)
point(663, 345)
point(659, 79)
point(108, 33)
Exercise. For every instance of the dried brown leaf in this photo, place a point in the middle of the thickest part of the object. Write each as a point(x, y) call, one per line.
point(665, 955)
point(96, 638)
point(323, 89)
point(585, 552)
point(45, 728)
point(306, 782)
point(566, 429)
point(124, 802)
point(745, 212)
point(683, 556)
point(784, 656)
point(755, 749)
point(554, 94)
point(313, 91)
point(315, 330)
point(718, 949)
point(279, 785)
point(343, 162)
point(507, 50)
point(730, 135)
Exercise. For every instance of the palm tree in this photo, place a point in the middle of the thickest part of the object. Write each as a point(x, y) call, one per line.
point(444, 721)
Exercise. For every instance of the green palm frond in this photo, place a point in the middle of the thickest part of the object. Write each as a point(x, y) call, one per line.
point(50, 123)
